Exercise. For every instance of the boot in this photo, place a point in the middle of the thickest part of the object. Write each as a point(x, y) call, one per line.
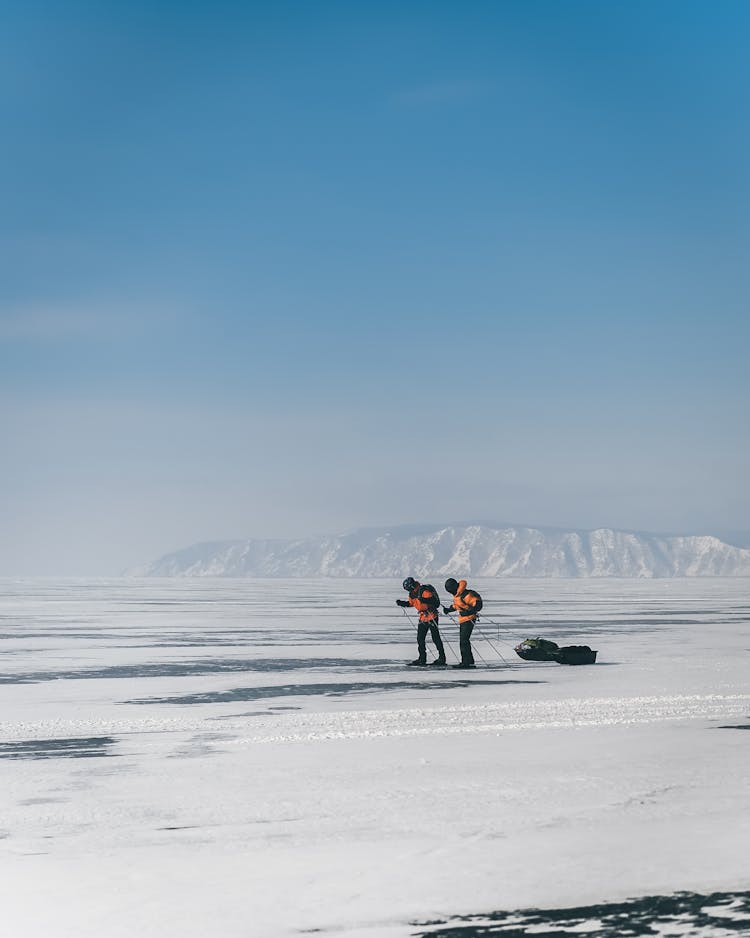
point(437, 663)
point(463, 665)
point(418, 663)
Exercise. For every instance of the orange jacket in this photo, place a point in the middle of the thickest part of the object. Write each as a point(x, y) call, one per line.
point(464, 602)
point(428, 610)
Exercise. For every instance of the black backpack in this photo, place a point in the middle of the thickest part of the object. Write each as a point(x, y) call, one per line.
point(432, 602)
point(479, 598)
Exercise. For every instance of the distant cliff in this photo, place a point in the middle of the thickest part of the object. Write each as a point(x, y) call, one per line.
point(476, 550)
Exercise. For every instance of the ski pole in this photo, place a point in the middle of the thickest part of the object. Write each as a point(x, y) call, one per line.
point(497, 652)
point(479, 654)
point(416, 627)
point(489, 642)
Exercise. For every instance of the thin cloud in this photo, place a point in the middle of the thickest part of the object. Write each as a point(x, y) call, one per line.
point(53, 324)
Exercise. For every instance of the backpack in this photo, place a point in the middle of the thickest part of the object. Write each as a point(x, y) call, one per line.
point(479, 603)
point(433, 601)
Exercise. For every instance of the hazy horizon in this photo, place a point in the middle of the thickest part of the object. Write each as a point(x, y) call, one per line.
point(276, 270)
point(733, 538)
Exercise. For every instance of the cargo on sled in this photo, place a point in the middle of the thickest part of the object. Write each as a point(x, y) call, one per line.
point(541, 649)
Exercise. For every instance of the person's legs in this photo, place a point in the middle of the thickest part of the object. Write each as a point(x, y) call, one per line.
point(435, 633)
point(422, 628)
point(465, 629)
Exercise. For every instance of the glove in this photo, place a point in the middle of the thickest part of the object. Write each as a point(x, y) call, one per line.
point(402, 602)
point(448, 610)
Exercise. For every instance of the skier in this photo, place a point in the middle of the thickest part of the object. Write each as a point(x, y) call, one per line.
point(426, 601)
point(467, 604)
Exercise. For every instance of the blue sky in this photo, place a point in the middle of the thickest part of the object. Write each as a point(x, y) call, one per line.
point(290, 268)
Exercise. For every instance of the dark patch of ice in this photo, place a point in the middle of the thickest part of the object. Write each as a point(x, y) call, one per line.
point(76, 748)
point(313, 690)
point(683, 913)
point(203, 666)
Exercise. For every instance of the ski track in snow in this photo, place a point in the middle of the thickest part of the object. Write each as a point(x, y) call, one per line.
point(496, 718)
point(417, 721)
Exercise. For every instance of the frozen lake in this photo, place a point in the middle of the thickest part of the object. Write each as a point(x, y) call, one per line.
point(247, 757)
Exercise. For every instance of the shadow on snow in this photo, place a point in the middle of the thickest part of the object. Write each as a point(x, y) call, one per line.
point(313, 690)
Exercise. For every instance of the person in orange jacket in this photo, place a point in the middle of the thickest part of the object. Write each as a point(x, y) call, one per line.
point(467, 604)
point(425, 600)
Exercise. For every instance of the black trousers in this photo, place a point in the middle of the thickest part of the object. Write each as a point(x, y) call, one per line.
point(422, 629)
point(464, 640)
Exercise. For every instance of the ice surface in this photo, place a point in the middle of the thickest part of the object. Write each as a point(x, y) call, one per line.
point(245, 757)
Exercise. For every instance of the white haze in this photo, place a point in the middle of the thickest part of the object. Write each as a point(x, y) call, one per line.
point(96, 486)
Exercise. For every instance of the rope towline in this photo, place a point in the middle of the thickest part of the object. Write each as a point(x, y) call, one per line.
point(474, 648)
point(482, 634)
point(488, 640)
point(515, 636)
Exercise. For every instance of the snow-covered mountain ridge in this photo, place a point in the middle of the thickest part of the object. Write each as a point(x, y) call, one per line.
point(461, 550)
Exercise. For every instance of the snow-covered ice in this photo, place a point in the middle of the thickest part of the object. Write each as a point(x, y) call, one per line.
point(250, 757)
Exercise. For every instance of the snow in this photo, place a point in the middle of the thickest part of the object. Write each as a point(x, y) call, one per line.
point(250, 757)
point(469, 550)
